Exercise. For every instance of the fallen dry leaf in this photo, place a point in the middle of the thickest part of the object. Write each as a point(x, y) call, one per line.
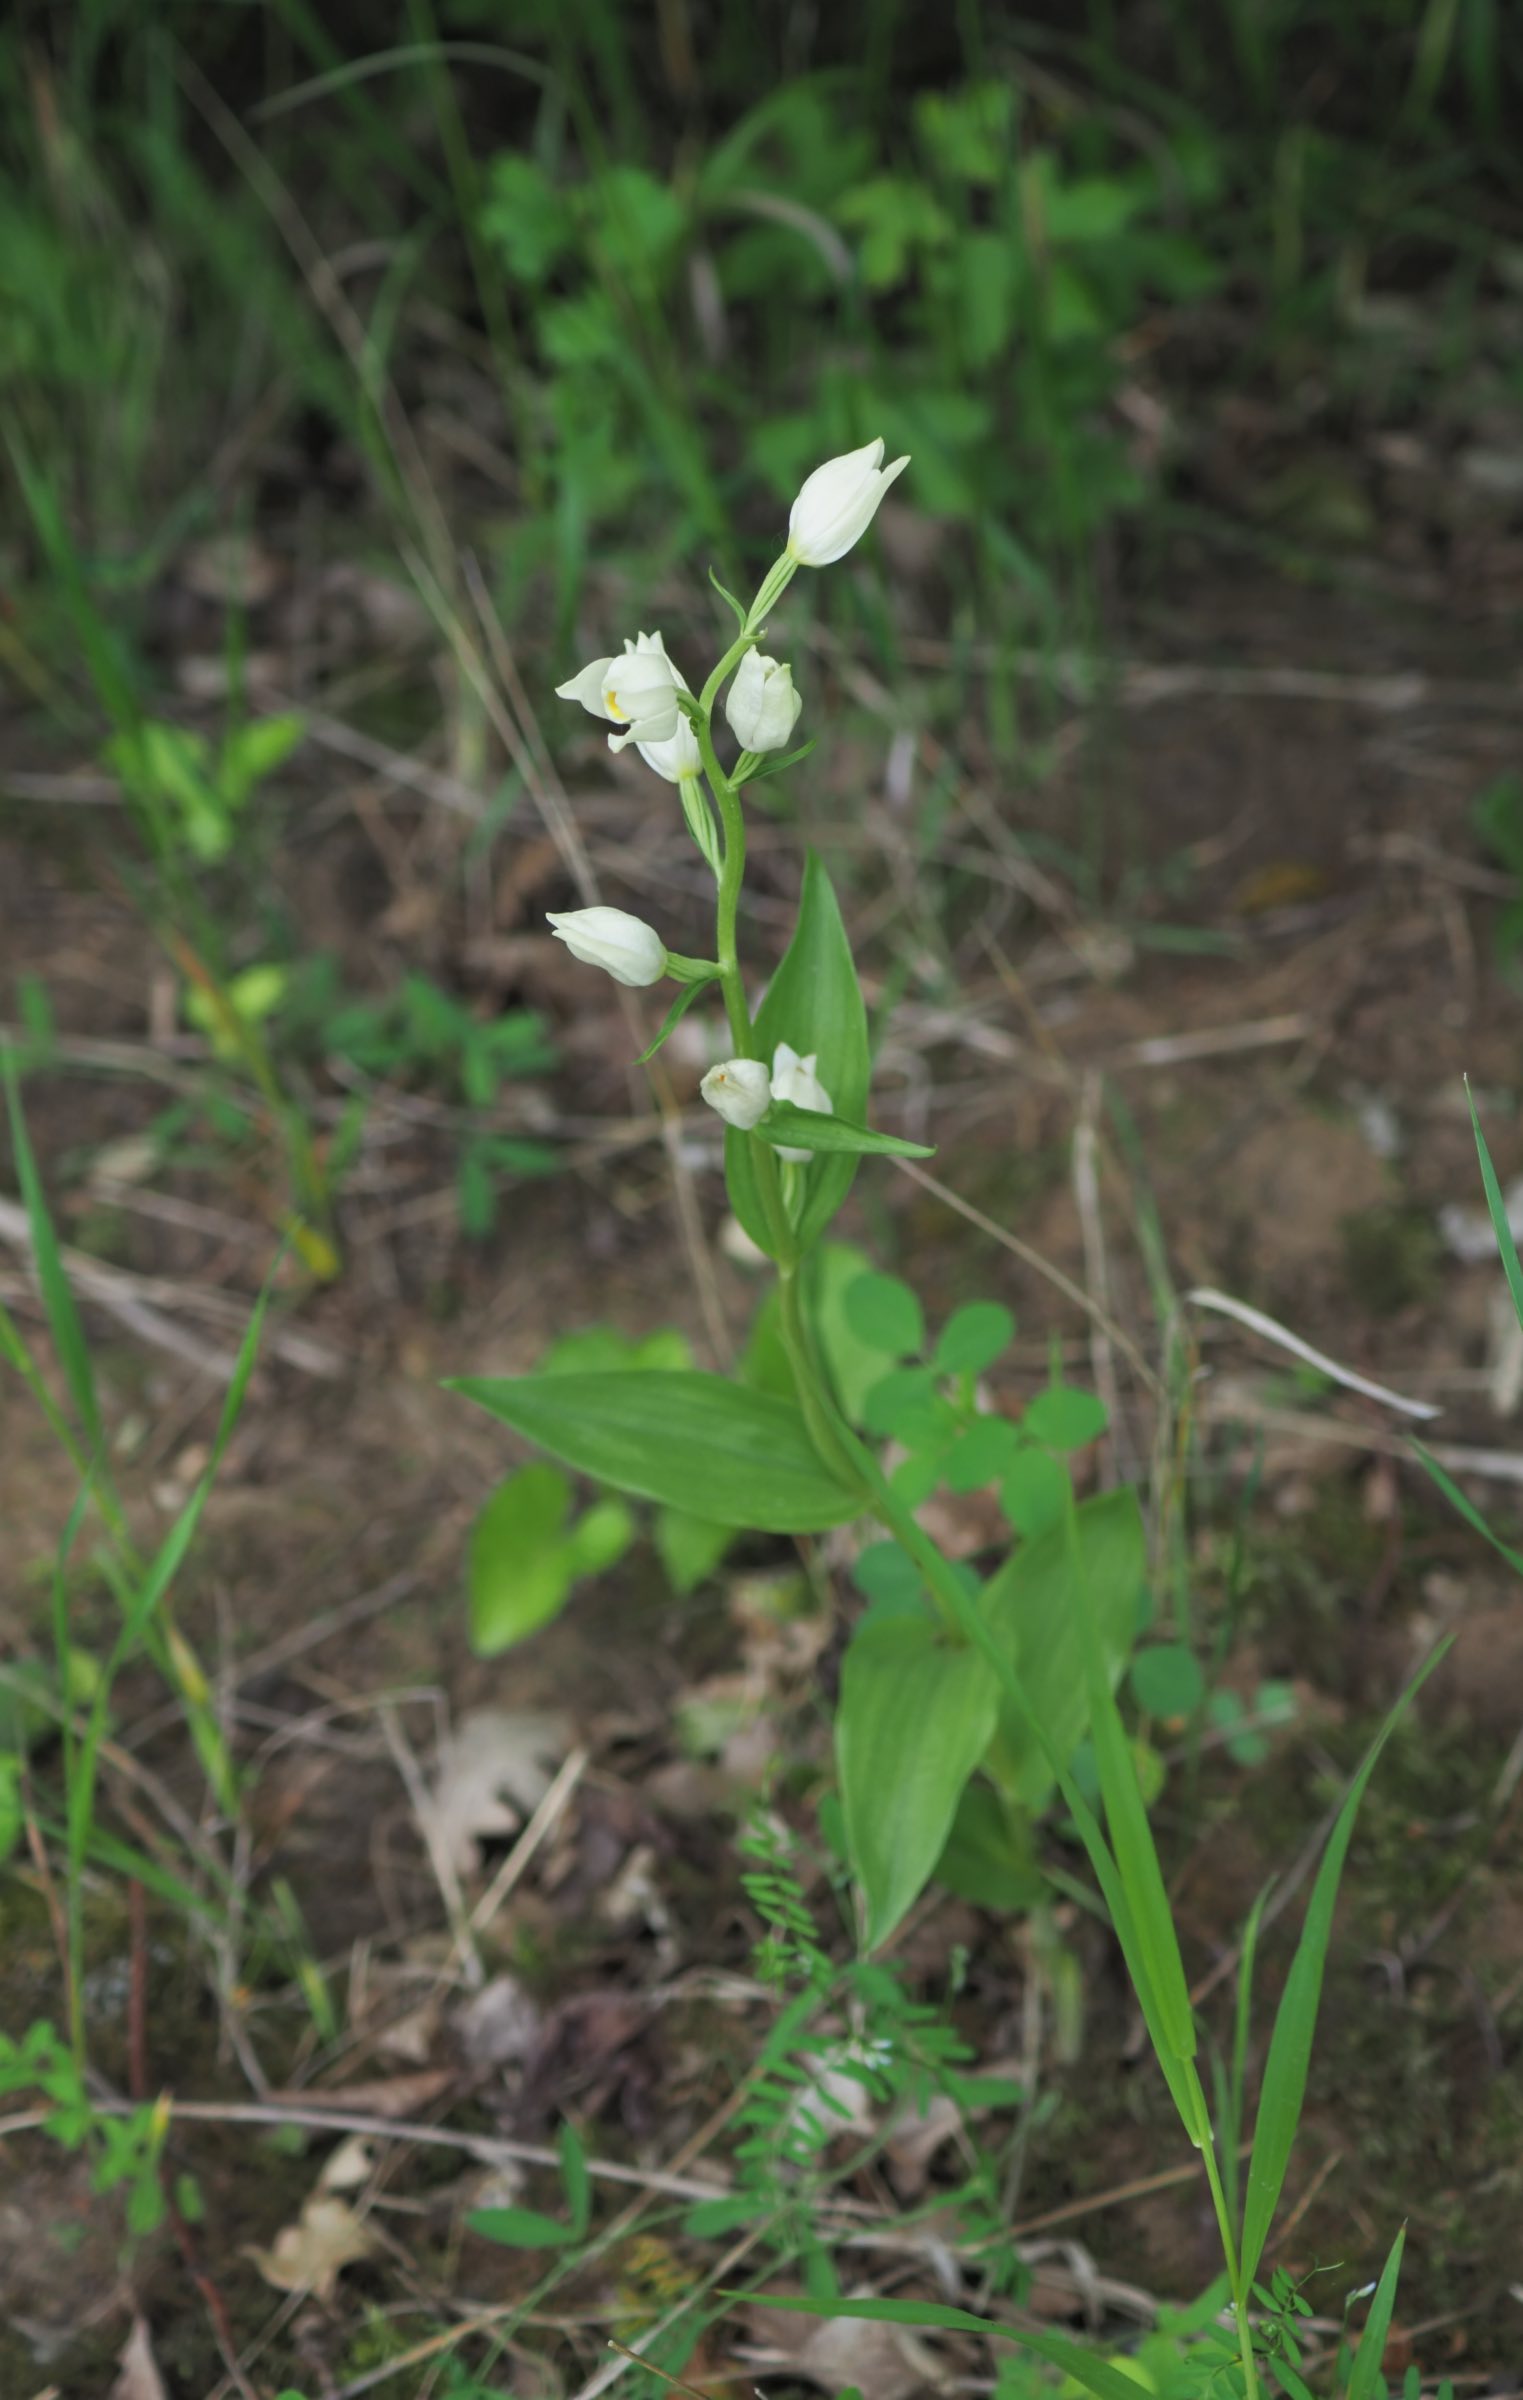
point(138, 2377)
point(499, 2025)
point(311, 2254)
point(493, 1771)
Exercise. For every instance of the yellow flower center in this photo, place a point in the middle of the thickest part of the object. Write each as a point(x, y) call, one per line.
point(611, 703)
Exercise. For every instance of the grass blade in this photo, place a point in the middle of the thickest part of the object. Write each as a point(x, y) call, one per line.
point(1135, 1851)
point(1497, 1206)
point(1467, 1508)
point(1365, 2381)
point(58, 1300)
point(1094, 2374)
point(1284, 2085)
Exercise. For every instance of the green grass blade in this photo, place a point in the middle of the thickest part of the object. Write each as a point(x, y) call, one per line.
point(57, 1298)
point(1467, 1508)
point(1230, 2130)
point(1511, 1265)
point(1132, 1843)
point(1094, 2374)
point(1284, 2086)
point(1365, 2381)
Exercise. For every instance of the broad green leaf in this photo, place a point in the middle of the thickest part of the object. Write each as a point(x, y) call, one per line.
point(1063, 1418)
point(1094, 2374)
point(814, 1003)
point(1036, 1493)
point(1284, 2085)
point(988, 1856)
point(694, 1441)
point(518, 1570)
point(1365, 2379)
point(885, 1314)
point(790, 1128)
point(1029, 1604)
point(1511, 1267)
point(973, 1337)
point(914, 1721)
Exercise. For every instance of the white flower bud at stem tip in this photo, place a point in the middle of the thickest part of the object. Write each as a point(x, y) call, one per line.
point(837, 503)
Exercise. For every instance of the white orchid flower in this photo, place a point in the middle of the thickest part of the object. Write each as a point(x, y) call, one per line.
point(625, 947)
point(637, 692)
point(678, 756)
point(794, 1078)
point(762, 706)
point(838, 503)
point(739, 1090)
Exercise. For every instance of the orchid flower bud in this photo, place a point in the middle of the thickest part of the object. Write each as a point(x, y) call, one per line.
point(838, 503)
point(794, 1078)
point(625, 947)
point(739, 1091)
point(637, 692)
point(679, 756)
point(762, 706)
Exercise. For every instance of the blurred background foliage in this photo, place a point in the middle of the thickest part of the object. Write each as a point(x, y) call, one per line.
point(655, 257)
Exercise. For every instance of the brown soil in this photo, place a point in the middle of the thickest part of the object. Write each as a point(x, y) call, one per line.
point(1285, 970)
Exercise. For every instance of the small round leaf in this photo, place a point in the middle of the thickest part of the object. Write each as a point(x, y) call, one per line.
point(1065, 1419)
point(986, 1451)
point(885, 1313)
point(1167, 1681)
point(973, 1337)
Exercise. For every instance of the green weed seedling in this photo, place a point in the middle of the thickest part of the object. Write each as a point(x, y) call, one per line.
point(424, 1038)
point(126, 2151)
point(60, 1711)
point(955, 1679)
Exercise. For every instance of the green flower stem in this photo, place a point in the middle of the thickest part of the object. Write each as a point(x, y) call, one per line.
point(774, 583)
point(732, 874)
point(744, 641)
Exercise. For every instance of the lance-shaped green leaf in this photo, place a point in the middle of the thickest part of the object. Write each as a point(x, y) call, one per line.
point(675, 1014)
point(1497, 1207)
point(787, 1127)
point(1365, 2380)
point(814, 1003)
point(735, 1456)
point(1284, 2085)
point(914, 1721)
point(1153, 1948)
point(57, 1297)
point(1095, 2375)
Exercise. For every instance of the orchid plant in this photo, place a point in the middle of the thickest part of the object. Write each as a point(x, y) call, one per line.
point(965, 1698)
